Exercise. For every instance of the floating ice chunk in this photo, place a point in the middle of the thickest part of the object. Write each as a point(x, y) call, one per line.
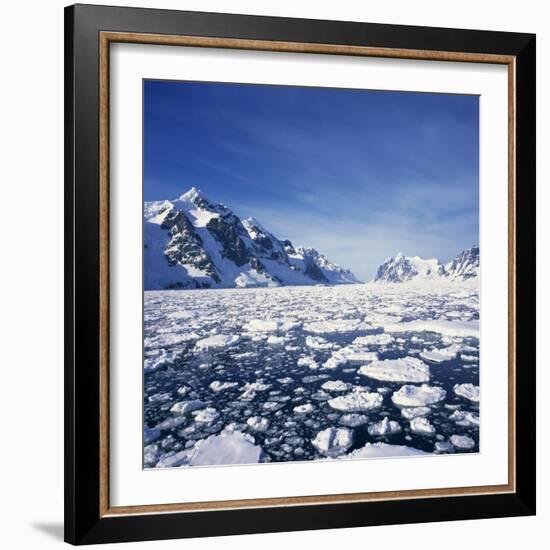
point(469, 358)
point(356, 355)
point(226, 448)
point(353, 420)
point(160, 358)
point(443, 447)
point(308, 362)
point(349, 354)
point(356, 401)
point(285, 381)
point(382, 450)
point(442, 326)
point(151, 455)
point(374, 340)
point(217, 341)
point(468, 391)
point(333, 442)
point(418, 396)
point(303, 409)
point(463, 441)
point(257, 423)
point(384, 427)
point(287, 326)
point(272, 406)
point(261, 325)
point(464, 418)
point(316, 342)
point(276, 340)
point(334, 362)
point(150, 434)
point(335, 325)
point(216, 386)
point(251, 388)
point(161, 396)
point(422, 425)
point(336, 385)
point(184, 407)
point(175, 460)
point(440, 355)
point(206, 416)
point(183, 390)
point(407, 369)
point(413, 412)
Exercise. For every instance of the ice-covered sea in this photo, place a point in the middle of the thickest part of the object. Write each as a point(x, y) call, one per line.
point(305, 373)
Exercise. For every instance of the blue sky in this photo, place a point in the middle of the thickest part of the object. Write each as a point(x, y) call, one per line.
point(360, 175)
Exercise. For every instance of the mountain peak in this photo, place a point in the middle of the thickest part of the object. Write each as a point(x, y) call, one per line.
point(192, 195)
point(402, 268)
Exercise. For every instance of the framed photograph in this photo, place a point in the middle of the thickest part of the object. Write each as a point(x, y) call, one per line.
point(300, 274)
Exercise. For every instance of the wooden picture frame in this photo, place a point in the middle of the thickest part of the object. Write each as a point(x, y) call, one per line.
point(89, 32)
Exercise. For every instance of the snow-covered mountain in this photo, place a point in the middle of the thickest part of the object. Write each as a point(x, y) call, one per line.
point(465, 265)
point(191, 242)
point(403, 268)
point(400, 269)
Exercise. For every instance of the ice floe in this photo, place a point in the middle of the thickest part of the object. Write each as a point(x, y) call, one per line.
point(468, 391)
point(384, 427)
point(413, 412)
point(374, 340)
point(353, 420)
point(257, 423)
point(462, 441)
point(216, 386)
point(418, 396)
point(440, 355)
point(226, 448)
point(336, 385)
point(303, 409)
point(333, 442)
point(357, 401)
point(464, 418)
point(336, 325)
point(217, 341)
point(449, 328)
point(184, 407)
point(406, 369)
point(422, 425)
point(383, 450)
point(317, 342)
point(206, 416)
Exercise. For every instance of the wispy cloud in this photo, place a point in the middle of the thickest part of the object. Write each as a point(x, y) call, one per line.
point(359, 175)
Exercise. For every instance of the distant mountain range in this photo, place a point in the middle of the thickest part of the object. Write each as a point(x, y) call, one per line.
point(192, 242)
point(400, 269)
